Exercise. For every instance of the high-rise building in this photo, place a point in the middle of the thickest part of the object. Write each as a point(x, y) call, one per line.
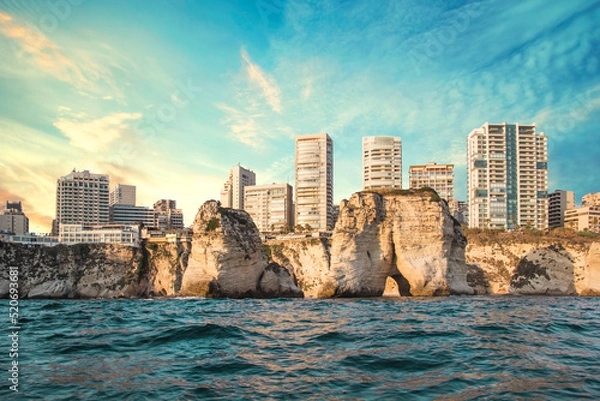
point(270, 206)
point(81, 198)
point(558, 202)
point(122, 195)
point(13, 219)
point(460, 211)
point(314, 182)
point(439, 177)
point(382, 162)
point(167, 215)
point(232, 194)
point(507, 176)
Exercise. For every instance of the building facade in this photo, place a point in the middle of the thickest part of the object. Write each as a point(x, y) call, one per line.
point(558, 202)
point(13, 219)
point(583, 218)
point(314, 182)
point(82, 198)
point(382, 162)
point(507, 176)
point(591, 199)
point(460, 211)
point(232, 195)
point(129, 214)
point(270, 207)
point(111, 233)
point(167, 215)
point(122, 195)
point(439, 177)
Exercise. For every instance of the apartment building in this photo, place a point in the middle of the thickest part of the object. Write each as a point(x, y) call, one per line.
point(382, 162)
point(583, 218)
point(13, 219)
point(122, 195)
point(439, 177)
point(592, 199)
point(232, 195)
point(558, 202)
point(270, 207)
point(82, 198)
point(167, 215)
point(314, 181)
point(507, 176)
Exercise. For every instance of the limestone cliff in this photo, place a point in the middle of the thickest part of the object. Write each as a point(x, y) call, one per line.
point(408, 236)
point(307, 260)
point(227, 258)
point(518, 263)
point(78, 271)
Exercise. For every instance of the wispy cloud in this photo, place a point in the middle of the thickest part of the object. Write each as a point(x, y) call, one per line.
point(95, 134)
point(43, 53)
point(266, 83)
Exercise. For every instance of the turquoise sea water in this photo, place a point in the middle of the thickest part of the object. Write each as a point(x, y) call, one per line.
point(456, 348)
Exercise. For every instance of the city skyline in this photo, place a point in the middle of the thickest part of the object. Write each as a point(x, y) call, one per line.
point(168, 97)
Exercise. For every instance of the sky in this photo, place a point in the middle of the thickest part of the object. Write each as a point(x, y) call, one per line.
point(170, 95)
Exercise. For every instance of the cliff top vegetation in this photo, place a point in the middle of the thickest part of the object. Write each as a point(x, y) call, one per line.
point(480, 236)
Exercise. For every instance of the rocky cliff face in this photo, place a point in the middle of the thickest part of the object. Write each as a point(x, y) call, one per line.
point(507, 263)
point(409, 237)
point(79, 271)
point(407, 240)
point(227, 258)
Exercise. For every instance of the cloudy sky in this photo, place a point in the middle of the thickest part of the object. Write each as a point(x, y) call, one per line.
point(169, 95)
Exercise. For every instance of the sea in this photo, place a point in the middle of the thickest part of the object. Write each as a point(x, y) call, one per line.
point(446, 348)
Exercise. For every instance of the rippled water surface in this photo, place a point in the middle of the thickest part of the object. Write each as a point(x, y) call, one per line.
point(457, 348)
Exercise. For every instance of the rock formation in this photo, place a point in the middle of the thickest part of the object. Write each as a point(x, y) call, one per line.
point(78, 271)
point(227, 258)
point(408, 236)
point(514, 263)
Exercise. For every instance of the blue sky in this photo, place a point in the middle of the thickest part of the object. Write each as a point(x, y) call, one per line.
point(169, 95)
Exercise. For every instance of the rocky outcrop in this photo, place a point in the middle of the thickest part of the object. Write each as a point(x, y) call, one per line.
point(227, 258)
point(408, 237)
point(78, 271)
point(307, 260)
point(511, 263)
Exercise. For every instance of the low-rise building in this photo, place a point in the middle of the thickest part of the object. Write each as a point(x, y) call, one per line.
point(29, 239)
point(583, 218)
point(128, 214)
point(111, 233)
point(167, 215)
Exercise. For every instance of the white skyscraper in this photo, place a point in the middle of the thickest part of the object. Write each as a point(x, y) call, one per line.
point(507, 176)
point(382, 162)
point(81, 198)
point(314, 181)
point(232, 195)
